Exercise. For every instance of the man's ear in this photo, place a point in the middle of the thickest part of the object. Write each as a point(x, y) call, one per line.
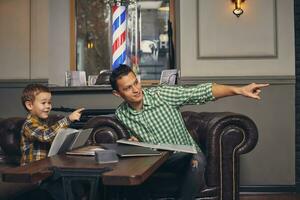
point(28, 105)
point(116, 93)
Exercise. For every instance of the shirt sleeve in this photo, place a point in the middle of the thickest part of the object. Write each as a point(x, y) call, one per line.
point(33, 130)
point(186, 95)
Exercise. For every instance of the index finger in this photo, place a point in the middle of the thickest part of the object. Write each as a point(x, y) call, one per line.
point(262, 85)
point(79, 110)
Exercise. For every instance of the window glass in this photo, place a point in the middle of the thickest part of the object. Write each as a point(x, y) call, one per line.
point(154, 44)
point(147, 38)
point(93, 36)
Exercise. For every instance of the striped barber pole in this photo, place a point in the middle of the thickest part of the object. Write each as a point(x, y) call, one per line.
point(118, 36)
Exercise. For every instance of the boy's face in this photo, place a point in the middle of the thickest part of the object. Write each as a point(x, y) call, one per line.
point(129, 88)
point(41, 106)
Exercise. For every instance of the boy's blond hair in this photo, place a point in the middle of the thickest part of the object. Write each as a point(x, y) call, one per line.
point(30, 92)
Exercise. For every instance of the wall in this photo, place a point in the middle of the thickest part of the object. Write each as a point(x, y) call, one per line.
point(42, 52)
point(14, 39)
point(258, 43)
point(59, 40)
point(272, 162)
point(39, 33)
point(35, 41)
point(215, 45)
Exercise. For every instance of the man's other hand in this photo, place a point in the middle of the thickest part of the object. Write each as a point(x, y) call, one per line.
point(133, 139)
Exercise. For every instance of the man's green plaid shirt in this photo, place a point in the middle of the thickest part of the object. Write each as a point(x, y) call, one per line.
point(160, 120)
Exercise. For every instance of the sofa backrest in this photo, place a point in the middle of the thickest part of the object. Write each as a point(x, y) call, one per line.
point(10, 134)
point(108, 129)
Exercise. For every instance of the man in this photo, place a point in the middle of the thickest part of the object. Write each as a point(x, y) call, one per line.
point(152, 115)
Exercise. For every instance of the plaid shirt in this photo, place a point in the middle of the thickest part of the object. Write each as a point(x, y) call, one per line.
point(160, 120)
point(37, 136)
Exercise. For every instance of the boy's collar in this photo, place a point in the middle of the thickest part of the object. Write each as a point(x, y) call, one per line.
point(36, 118)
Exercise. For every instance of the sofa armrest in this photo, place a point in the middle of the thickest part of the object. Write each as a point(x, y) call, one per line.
point(226, 136)
point(10, 134)
point(106, 129)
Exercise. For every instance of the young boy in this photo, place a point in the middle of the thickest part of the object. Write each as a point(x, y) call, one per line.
point(37, 135)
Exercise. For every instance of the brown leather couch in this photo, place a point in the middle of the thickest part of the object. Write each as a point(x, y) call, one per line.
point(223, 138)
point(10, 130)
point(10, 133)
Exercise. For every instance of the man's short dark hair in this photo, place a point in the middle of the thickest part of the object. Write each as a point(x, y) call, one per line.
point(118, 73)
point(31, 91)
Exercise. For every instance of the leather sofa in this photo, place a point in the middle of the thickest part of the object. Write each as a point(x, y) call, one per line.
point(10, 129)
point(10, 134)
point(223, 137)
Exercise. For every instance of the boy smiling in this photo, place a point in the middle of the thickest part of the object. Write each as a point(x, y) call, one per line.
point(36, 134)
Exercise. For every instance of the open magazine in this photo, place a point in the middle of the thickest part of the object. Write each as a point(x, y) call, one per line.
point(68, 139)
point(169, 147)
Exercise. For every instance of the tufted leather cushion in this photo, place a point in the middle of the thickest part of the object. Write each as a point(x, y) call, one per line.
point(106, 129)
point(10, 138)
point(10, 134)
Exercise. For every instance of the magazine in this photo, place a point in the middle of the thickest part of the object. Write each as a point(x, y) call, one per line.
point(169, 147)
point(68, 139)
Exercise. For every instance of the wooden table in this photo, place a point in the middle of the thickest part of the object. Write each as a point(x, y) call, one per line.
point(33, 173)
point(127, 172)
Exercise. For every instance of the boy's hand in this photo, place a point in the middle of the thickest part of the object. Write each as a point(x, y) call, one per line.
point(75, 116)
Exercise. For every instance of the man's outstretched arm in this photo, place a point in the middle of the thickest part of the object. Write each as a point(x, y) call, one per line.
point(252, 90)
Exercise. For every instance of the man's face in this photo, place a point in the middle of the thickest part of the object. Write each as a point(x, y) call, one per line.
point(41, 105)
point(130, 89)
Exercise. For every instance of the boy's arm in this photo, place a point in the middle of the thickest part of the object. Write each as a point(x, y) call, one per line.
point(43, 133)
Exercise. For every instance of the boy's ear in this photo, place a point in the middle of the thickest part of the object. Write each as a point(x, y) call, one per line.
point(116, 93)
point(28, 105)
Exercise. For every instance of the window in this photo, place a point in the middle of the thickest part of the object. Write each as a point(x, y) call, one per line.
point(148, 37)
point(92, 36)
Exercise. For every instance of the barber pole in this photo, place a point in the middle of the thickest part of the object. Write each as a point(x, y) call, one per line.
point(118, 35)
